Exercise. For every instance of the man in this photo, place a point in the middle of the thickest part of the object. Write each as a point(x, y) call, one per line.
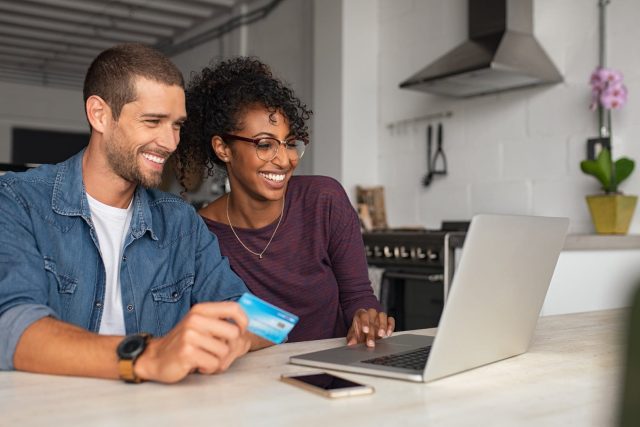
point(89, 254)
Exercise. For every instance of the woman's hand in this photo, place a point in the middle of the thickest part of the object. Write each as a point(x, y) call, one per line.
point(368, 326)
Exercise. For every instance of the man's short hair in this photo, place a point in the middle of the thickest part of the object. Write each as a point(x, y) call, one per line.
point(111, 76)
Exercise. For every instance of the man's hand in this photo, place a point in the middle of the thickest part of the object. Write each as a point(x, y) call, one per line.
point(370, 325)
point(204, 341)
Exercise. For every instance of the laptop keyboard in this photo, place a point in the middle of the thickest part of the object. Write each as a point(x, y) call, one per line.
point(414, 359)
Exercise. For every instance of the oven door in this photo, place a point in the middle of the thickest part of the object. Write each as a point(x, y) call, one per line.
point(414, 297)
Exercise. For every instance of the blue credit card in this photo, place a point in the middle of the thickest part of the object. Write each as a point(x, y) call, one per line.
point(266, 320)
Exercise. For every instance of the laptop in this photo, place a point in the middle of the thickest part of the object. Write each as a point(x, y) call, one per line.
point(490, 314)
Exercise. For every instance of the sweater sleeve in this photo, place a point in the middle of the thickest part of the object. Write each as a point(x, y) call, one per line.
point(347, 255)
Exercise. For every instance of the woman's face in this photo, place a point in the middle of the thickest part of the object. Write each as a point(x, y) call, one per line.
point(259, 179)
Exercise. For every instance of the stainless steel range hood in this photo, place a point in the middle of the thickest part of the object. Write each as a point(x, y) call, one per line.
point(501, 54)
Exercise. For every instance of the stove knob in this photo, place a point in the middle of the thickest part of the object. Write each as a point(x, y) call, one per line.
point(396, 252)
point(420, 253)
point(432, 255)
point(404, 254)
point(387, 252)
point(377, 252)
point(368, 251)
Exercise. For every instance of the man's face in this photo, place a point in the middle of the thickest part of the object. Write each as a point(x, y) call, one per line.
point(146, 133)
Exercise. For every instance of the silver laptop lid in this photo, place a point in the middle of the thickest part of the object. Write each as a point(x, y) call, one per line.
point(497, 292)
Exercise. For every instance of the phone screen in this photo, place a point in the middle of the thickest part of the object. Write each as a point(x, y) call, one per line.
point(326, 381)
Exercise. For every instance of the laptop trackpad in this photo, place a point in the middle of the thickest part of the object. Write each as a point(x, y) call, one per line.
point(357, 353)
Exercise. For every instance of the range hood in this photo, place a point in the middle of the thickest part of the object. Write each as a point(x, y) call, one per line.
point(501, 54)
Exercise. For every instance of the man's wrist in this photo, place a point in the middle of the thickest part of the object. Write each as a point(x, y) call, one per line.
point(129, 351)
point(142, 367)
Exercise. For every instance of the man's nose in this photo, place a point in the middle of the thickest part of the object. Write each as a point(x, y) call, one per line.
point(169, 139)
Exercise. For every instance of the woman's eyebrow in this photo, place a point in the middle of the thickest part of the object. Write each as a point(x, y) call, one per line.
point(263, 133)
point(271, 135)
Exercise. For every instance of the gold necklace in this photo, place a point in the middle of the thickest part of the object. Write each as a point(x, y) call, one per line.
point(259, 255)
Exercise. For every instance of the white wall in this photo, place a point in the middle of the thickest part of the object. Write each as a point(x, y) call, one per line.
point(283, 40)
point(328, 88)
point(346, 91)
point(516, 152)
point(36, 107)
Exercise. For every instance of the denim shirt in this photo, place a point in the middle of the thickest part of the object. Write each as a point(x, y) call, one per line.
point(50, 262)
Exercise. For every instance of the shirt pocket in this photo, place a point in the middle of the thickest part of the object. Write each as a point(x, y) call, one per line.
point(172, 302)
point(65, 287)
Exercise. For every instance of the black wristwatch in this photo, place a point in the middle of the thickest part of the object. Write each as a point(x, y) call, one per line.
point(129, 349)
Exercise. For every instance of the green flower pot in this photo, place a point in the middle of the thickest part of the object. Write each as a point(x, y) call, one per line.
point(612, 213)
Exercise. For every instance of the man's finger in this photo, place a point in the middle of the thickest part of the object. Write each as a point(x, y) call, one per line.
point(212, 327)
point(213, 345)
point(223, 310)
point(205, 362)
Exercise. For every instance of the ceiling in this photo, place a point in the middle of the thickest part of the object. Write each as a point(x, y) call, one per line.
point(52, 42)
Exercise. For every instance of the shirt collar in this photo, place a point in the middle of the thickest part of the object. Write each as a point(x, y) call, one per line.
point(70, 198)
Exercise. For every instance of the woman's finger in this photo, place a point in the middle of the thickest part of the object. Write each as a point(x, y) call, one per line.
point(382, 325)
point(391, 325)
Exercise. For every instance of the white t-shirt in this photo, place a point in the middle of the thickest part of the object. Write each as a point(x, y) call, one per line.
point(112, 226)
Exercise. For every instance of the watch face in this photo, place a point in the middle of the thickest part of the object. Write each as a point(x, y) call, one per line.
point(131, 346)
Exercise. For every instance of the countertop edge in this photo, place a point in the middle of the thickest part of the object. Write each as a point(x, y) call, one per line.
point(594, 242)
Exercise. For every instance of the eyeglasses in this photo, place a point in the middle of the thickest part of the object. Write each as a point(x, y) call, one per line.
point(267, 148)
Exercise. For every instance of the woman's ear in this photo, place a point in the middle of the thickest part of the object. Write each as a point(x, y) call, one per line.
point(98, 113)
point(221, 149)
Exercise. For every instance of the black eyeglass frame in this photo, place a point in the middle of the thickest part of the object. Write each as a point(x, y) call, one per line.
point(256, 142)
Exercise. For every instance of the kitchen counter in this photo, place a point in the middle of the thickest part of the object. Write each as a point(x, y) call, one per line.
point(597, 242)
point(569, 376)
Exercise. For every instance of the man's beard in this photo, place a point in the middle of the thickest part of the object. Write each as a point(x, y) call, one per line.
point(125, 164)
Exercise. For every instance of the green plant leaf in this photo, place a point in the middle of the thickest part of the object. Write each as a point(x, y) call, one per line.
point(591, 167)
point(599, 168)
point(624, 167)
point(604, 162)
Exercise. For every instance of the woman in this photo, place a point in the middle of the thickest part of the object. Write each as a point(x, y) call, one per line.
point(295, 241)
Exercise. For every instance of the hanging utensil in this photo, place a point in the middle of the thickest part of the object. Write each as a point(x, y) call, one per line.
point(426, 180)
point(442, 170)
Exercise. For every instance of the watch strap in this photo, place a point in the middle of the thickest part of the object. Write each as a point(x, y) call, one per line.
point(126, 366)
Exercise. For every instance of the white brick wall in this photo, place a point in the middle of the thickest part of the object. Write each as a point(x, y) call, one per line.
point(516, 152)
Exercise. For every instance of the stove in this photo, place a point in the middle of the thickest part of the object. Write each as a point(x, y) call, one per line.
point(418, 267)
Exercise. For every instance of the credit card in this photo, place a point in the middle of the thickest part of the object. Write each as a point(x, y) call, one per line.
point(266, 320)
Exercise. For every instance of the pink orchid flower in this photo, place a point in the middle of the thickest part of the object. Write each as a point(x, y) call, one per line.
point(607, 89)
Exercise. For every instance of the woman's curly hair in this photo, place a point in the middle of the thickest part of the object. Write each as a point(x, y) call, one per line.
point(216, 99)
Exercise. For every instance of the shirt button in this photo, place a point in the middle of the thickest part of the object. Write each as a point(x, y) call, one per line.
point(130, 307)
point(174, 295)
point(124, 257)
point(98, 304)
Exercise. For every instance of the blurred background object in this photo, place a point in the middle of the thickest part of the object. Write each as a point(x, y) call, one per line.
point(630, 413)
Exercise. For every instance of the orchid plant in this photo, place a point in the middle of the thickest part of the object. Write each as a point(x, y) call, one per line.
point(608, 92)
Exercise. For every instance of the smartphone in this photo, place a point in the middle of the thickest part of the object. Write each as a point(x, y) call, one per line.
point(327, 385)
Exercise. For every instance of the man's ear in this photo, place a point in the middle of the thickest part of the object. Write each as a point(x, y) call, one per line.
point(98, 113)
point(221, 149)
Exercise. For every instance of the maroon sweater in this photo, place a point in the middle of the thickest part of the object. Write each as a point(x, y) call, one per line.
point(315, 266)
